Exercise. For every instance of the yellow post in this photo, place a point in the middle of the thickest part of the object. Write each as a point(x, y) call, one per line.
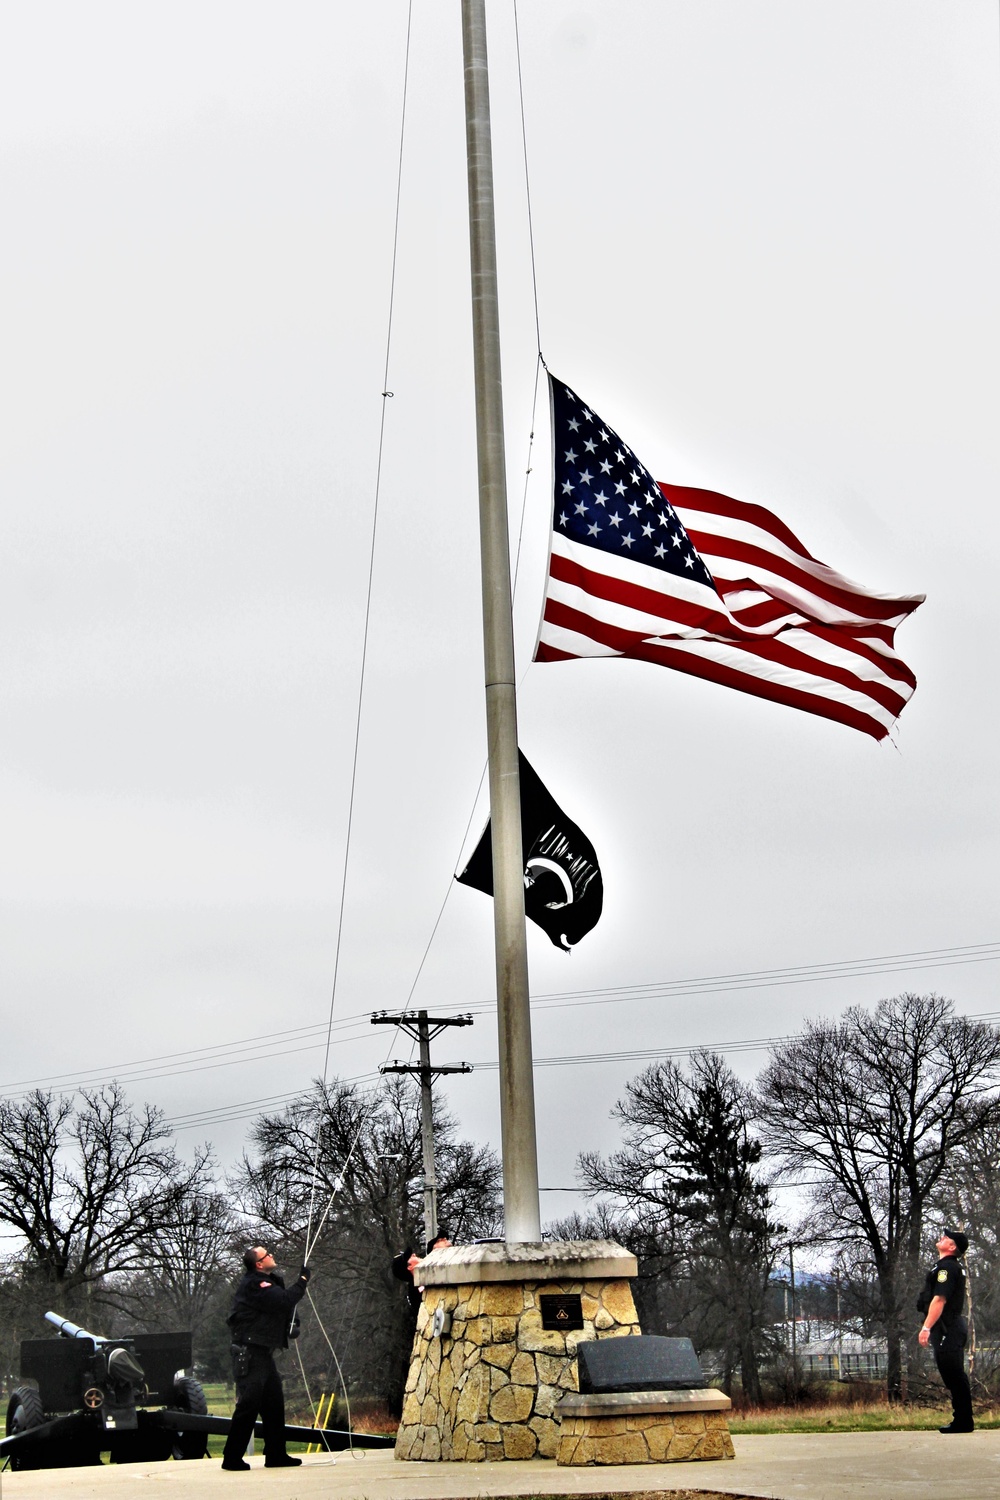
point(320, 1420)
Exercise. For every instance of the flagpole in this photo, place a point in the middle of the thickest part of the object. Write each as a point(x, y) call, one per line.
point(522, 1219)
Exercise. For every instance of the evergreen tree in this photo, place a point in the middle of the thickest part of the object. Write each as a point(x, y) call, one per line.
point(693, 1198)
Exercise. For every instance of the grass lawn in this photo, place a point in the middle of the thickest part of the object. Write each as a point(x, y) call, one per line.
point(869, 1416)
point(860, 1416)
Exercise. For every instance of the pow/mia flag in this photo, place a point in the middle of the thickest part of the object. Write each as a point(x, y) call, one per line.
point(563, 890)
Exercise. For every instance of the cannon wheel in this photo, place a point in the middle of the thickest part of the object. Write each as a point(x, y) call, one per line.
point(70, 1449)
point(24, 1410)
point(189, 1396)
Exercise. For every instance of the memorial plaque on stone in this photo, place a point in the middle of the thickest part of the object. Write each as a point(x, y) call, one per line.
point(561, 1311)
point(642, 1363)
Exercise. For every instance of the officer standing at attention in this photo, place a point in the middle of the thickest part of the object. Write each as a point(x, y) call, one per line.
point(942, 1302)
point(263, 1311)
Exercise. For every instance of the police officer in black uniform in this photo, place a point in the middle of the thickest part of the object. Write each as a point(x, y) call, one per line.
point(405, 1264)
point(942, 1303)
point(263, 1311)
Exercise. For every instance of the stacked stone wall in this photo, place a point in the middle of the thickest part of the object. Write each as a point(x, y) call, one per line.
point(487, 1388)
point(653, 1439)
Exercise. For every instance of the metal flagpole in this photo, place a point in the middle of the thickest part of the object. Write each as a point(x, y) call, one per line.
point(522, 1220)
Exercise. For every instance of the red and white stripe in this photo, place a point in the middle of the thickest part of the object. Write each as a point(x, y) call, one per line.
point(779, 624)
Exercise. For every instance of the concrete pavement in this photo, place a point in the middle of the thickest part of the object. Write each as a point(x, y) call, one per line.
point(806, 1466)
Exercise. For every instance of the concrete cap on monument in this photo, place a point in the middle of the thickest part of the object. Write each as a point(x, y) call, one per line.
point(546, 1260)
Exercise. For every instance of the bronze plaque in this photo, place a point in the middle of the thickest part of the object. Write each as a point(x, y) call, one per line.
point(561, 1311)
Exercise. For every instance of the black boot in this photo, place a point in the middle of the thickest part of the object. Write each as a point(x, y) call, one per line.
point(234, 1463)
point(282, 1461)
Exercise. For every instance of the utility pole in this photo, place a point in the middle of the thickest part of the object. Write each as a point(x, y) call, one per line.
point(423, 1029)
point(522, 1217)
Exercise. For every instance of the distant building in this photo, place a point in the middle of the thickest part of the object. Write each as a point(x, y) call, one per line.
point(835, 1354)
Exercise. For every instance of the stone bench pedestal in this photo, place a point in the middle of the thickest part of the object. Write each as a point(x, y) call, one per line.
point(643, 1427)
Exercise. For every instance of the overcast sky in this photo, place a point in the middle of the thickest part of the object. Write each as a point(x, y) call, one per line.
point(767, 235)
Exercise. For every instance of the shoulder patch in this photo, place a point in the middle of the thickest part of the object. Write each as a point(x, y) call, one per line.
point(942, 1276)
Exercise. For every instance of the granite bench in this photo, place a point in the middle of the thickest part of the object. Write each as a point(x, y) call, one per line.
point(615, 1418)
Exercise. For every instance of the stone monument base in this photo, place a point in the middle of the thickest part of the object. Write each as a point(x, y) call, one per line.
point(485, 1375)
point(643, 1427)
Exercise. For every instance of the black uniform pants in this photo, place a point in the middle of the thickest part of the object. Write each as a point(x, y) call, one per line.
point(949, 1351)
point(258, 1393)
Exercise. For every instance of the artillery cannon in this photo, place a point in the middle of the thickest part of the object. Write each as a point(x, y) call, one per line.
point(89, 1395)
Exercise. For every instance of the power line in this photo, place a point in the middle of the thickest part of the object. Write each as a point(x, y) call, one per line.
point(893, 963)
point(221, 1049)
point(305, 1038)
point(645, 1054)
point(226, 1058)
point(245, 1109)
point(649, 1054)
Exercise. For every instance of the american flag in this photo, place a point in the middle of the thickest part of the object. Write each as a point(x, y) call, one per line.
point(707, 585)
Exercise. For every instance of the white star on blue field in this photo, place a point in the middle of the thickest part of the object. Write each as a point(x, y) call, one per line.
point(605, 498)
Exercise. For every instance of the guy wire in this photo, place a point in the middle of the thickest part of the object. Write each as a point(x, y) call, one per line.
point(540, 362)
point(539, 365)
point(310, 1245)
point(527, 187)
point(312, 1407)
point(312, 1237)
point(444, 903)
point(313, 1234)
point(386, 396)
point(343, 1382)
point(482, 775)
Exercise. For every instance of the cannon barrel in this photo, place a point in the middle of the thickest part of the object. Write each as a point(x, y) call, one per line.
point(73, 1330)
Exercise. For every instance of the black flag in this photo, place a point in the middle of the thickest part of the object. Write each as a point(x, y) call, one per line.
point(563, 890)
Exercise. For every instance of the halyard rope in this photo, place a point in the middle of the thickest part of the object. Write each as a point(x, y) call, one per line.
point(539, 366)
point(310, 1237)
point(313, 1233)
point(386, 396)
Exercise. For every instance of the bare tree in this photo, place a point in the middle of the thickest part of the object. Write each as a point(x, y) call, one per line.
point(968, 1196)
point(871, 1109)
point(185, 1281)
point(662, 1289)
point(689, 1180)
point(90, 1187)
point(19, 1317)
point(187, 1277)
